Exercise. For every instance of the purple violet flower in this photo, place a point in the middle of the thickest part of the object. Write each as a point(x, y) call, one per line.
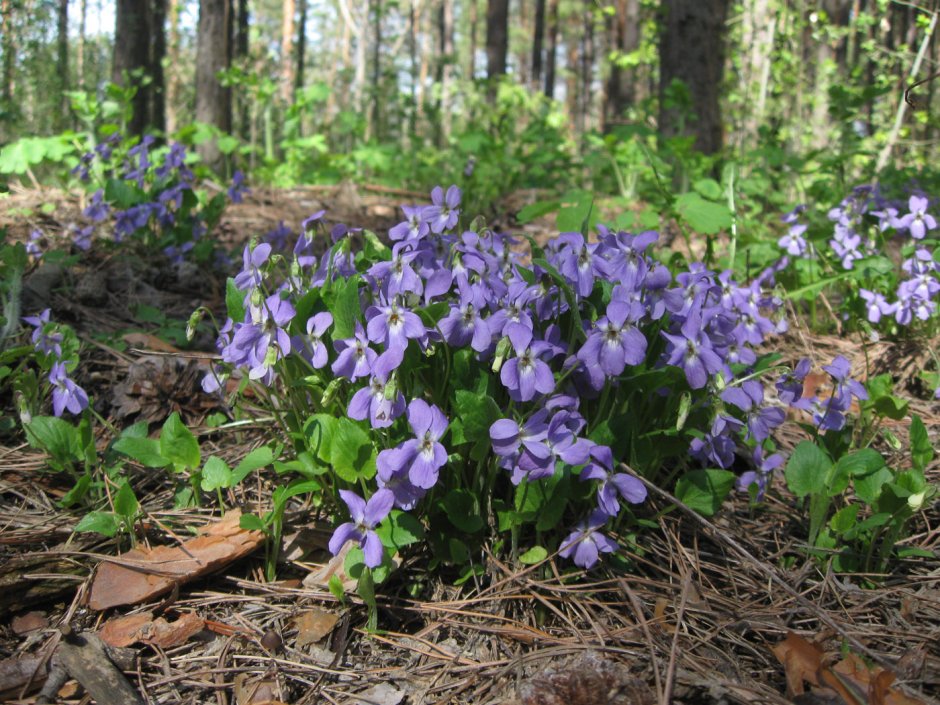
point(372, 402)
point(443, 214)
point(526, 374)
point(316, 328)
point(355, 356)
point(918, 222)
point(251, 276)
point(66, 395)
point(365, 517)
point(586, 543)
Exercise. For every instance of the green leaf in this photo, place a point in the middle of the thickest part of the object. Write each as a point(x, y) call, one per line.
point(122, 194)
point(476, 414)
point(807, 469)
point(703, 216)
point(255, 460)
point(463, 510)
point(319, 431)
point(55, 436)
point(104, 523)
point(178, 444)
point(844, 519)
point(575, 209)
point(861, 462)
point(215, 474)
point(534, 555)
point(125, 502)
point(335, 587)
point(892, 407)
point(536, 210)
point(145, 451)
point(250, 522)
point(704, 490)
point(868, 488)
point(709, 188)
point(922, 450)
point(345, 307)
point(399, 530)
point(234, 301)
point(352, 454)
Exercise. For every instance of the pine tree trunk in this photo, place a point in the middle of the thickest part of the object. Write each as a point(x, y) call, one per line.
point(474, 21)
point(157, 55)
point(692, 50)
point(572, 97)
point(587, 70)
point(551, 51)
point(9, 52)
point(301, 46)
point(132, 56)
point(80, 48)
point(625, 38)
point(213, 100)
point(171, 98)
point(537, 42)
point(62, 60)
point(377, 128)
point(445, 68)
point(287, 50)
point(497, 37)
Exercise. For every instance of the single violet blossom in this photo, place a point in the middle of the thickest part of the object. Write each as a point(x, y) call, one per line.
point(526, 374)
point(585, 544)
point(355, 358)
point(918, 222)
point(66, 395)
point(317, 326)
point(365, 517)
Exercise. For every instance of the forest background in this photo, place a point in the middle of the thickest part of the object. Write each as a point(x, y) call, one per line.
point(491, 94)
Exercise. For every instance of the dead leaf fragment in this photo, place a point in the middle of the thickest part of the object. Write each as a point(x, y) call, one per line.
point(124, 631)
point(801, 660)
point(313, 625)
point(143, 574)
point(29, 622)
point(380, 694)
point(250, 690)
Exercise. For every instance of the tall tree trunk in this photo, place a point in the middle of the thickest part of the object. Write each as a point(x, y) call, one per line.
point(240, 57)
point(287, 50)
point(497, 37)
point(157, 55)
point(9, 52)
point(522, 56)
point(413, 55)
point(587, 69)
point(621, 91)
point(213, 100)
point(80, 49)
point(171, 100)
point(572, 96)
point(692, 50)
point(301, 45)
point(132, 57)
point(537, 42)
point(375, 115)
point(62, 60)
point(445, 68)
point(551, 51)
point(474, 21)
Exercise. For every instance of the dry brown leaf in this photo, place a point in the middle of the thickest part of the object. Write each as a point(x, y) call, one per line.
point(145, 341)
point(249, 690)
point(124, 631)
point(801, 661)
point(29, 622)
point(851, 678)
point(142, 574)
point(320, 578)
point(313, 625)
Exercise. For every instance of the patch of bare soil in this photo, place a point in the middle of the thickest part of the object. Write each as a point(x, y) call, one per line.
point(693, 621)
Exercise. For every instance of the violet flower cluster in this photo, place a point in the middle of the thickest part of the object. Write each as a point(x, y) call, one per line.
point(157, 200)
point(563, 328)
point(858, 221)
point(47, 341)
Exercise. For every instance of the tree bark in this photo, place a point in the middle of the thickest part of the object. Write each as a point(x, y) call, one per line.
point(80, 49)
point(445, 68)
point(171, 98)
point(375, 92)
point(572, 95)
point(157, 54)
point(9, 52)
point(587, 69)
point(692, 50)
point(62, 60)
point(287, 50)
point(301, 45)
point(213, 100)
point(621, 92)
point(132, 57)
point(551, 51)
point(537, 42)
point(497, 37)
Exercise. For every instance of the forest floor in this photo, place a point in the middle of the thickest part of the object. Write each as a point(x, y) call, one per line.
point(705, 616)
